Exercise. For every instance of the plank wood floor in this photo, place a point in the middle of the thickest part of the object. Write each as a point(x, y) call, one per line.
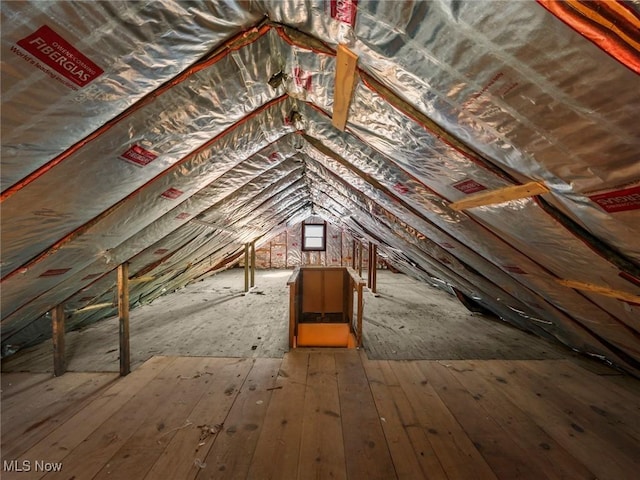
point(324, 413)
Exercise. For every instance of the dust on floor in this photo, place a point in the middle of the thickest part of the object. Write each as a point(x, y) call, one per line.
point(408, 319)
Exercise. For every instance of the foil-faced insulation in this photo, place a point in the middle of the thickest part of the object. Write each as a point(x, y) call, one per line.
point(195, 128)
point(126, 50)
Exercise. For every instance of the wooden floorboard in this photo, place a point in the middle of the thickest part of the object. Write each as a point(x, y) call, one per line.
point(231, 453)
point(185, 453)
point(46, 404)
point(495, 442)
point(13, 383)
point(581, 433)
point(324, 413)
point(322, 449)
point(57, 445)
point(545, 454)
point(366, 452)
point(411, 452)
point(150, 429)
point(453, 447)
point(278, 448)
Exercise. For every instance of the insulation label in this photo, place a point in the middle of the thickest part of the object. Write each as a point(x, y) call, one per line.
point(60, 56)
point(302, 79)
point(172, 193)
point(183, 216)
point(401, 188)
point(344, 11)
point(619, 200)
point(139, 156)
point(274, 157)
point(469, 186)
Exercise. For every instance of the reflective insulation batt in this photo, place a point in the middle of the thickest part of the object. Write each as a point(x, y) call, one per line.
point(169, 134)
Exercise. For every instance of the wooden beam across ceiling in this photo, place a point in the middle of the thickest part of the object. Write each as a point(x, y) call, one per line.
point(345, 81)
point(500, 195)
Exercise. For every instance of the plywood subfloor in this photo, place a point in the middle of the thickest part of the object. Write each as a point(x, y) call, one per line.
point(407, 320)
point(325, 413)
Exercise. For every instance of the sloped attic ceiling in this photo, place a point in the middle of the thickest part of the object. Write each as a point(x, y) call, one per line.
point(166, 134)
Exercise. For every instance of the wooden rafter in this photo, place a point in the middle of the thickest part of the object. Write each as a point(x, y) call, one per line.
point(500, 195)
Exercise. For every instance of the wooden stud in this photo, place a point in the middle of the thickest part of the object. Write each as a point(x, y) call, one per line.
point(346, 286)
point(360, 307)
point(353, 255)
point(57, 325)
point(294, 301)
point(123, 314)
point(345, 81)
point(500, 195)
point(253, 263)
point(369, 272)
point(286, 248)
point(374, 268)
point(589, 287)
point(360, 259)
point(293, 287)
point(246, 267)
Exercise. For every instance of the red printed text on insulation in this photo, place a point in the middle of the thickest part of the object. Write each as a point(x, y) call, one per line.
point(138, 155)
point(619, 201)
point(344, 11)
point(59, 55)
point(172, 193)
point(469, 186)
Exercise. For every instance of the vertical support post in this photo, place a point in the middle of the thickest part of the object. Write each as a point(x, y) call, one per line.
point(353, 256)
point(360, 307)
point(246, 267)
point(253, 263)
point(360, 259)
point(374, 269)
point(346, 285)
point(286, 249)
point(123, 314)
point(293, 291)
point(369, 275)
point(57, 325)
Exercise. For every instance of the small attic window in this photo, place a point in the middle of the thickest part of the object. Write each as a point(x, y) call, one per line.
point(314, 237)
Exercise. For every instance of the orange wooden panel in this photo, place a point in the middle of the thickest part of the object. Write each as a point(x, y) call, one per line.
point(311, 290)
point(333, 291)
point(323, 335)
